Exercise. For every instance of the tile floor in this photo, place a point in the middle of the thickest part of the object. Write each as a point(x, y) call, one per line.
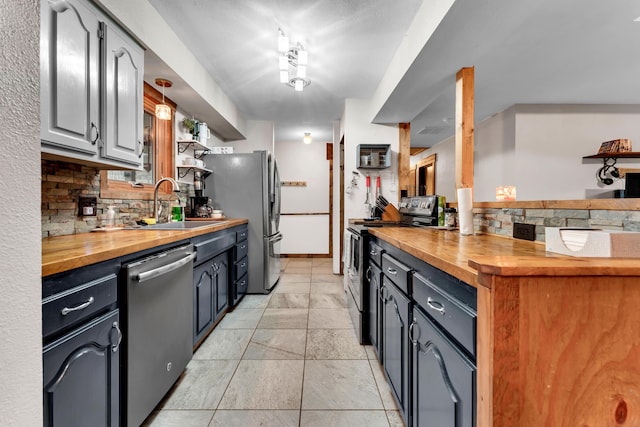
point(290, 358)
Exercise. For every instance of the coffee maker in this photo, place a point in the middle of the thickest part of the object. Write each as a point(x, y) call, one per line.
point(199, 204)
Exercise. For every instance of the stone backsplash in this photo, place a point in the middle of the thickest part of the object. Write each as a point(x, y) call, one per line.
point(500, 221)
point(63, 183)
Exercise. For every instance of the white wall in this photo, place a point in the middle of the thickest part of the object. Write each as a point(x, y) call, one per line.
point(539, 149)
point(304, 234)
point(21, 237)
point(337, 173)
point(259, 137)
point(359, 130)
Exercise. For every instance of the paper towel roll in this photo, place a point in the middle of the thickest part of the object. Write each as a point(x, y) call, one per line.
point(465, 211)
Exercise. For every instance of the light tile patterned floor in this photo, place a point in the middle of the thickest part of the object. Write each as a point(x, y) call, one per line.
point(290, 358)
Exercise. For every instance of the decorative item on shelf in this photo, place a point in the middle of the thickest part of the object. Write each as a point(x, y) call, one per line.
point(190, 127)
point(292, 63)
point(163, 111)
point(616, 146)
point(307, 138)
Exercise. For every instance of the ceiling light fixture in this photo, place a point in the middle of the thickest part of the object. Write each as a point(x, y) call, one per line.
point(163, 111)
point(292, 63)
point(307, 138)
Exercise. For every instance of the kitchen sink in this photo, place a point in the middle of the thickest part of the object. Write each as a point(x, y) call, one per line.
point(184, 225)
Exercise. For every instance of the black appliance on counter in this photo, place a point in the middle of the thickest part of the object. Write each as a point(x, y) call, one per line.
point(421, 211)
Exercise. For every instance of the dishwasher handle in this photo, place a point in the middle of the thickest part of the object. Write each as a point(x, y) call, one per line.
point(156, 272)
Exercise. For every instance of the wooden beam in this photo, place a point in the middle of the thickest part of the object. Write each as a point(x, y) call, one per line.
point(464, 127)
point(404, 157)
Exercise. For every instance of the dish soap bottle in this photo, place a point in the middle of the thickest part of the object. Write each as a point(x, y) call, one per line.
point(111, 217)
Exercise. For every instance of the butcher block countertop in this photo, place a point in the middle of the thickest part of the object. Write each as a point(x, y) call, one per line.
point(63, 253)
point(557, 336)
point(466, 256)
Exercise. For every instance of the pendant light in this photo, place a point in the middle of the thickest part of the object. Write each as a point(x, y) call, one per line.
point(163, 111)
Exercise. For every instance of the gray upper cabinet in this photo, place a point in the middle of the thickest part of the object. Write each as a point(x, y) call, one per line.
point(69, 77)
point(124, 69)
point(91, 83)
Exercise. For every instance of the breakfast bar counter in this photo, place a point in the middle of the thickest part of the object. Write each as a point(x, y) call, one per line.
point(63, 253)
point(558, 337)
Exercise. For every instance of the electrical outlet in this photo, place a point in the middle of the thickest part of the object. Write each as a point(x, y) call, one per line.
point(524, 231)
point(87, 206)
point(221, 150)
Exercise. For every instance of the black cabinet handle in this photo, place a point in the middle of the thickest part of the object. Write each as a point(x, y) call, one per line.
point(94, 140)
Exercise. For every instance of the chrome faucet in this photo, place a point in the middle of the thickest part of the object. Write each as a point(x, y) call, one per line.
point(176, 188)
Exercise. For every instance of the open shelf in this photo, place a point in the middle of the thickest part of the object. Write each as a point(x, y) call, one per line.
point(185, 144)
point(619, 155)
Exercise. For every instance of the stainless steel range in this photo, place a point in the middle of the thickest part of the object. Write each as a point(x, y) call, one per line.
point(415, 211)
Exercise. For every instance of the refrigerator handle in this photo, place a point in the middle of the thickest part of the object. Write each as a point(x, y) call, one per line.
point(276, 238)
point(277, 194)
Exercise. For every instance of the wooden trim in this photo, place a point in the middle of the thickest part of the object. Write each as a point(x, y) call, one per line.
point(329, 148)
point(305, 213)
point(431, 180)
point(416, 150)
point(404, 156)
point(164, 155)
point(603, 204)
point(464, 127)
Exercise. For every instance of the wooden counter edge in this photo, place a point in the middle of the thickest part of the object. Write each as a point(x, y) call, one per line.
point(487, 266)
point(161, 237)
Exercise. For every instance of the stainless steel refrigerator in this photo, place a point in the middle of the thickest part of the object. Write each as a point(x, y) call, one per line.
point(247, 185)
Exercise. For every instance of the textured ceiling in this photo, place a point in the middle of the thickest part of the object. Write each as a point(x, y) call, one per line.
point(350, 45)
point(543, 51)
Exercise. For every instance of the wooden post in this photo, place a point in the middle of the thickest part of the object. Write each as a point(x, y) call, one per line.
point(464, 127)
point(404, 157)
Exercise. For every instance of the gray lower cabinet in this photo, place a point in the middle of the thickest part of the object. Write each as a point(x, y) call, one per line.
point(374, 313)
point(444, 378)
point(211, 287)
point(395, 342)
point(91, 87)
point(81, 375)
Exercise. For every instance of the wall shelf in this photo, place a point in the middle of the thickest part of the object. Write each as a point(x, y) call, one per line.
point(373, 156)
point(619, 155)
point(185, 144)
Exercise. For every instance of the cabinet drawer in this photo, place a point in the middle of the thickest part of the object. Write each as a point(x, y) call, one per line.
point(399, 273)
point(241, 235)
point(241, 249)
point(241, 285)
point(375, 253)
point(241, 267)
point(210, 245)
point(451, 314)
point(69, 307)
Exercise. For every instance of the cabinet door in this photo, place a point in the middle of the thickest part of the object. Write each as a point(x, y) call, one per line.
point(122, 120)
point(81, 375)
point(395, 341)
point(203, 293)
point(374, 277)
point(220, 268)
point(69, 77)
point(443, 378)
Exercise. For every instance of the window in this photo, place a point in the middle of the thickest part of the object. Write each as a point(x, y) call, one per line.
point(157, 156)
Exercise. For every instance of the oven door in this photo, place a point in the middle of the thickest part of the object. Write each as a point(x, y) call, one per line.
point(354, 267)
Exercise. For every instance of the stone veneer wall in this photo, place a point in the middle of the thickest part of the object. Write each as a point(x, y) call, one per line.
point(500, 221)
point(63, 182)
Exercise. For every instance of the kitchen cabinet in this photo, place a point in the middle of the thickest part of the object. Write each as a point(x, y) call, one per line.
point(373, 277)
point(81, 347)
point(444, 379)
point(216, 282)
point(396, 308)
point(91, 83)
point(240, 280)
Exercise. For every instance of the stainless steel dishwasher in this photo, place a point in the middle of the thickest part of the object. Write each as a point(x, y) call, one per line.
point(159, 321)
